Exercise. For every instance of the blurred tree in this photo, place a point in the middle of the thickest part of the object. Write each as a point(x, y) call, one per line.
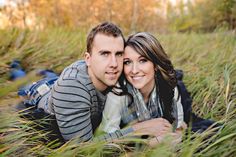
point(202, 15)
point(131, 15)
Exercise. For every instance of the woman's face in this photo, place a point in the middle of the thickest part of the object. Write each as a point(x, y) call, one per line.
point(138, 70)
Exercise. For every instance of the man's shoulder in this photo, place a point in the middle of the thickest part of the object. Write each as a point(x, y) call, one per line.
point(75, 77)
point(76, 71)
point(73, 84)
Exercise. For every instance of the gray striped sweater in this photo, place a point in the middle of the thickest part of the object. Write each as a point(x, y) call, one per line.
point(78, 106)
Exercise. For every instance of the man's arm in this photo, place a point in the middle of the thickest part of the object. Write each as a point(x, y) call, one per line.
point(71, 105)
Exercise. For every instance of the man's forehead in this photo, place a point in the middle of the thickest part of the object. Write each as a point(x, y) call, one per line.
point(106, 41)
point(103, 35)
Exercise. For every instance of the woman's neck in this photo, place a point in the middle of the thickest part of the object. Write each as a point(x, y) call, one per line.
point(146, 92)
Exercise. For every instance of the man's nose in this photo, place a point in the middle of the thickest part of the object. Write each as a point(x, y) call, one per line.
point(113, 61)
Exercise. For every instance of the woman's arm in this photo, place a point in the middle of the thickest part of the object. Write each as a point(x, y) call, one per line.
point(154, 127)
point(111, 118)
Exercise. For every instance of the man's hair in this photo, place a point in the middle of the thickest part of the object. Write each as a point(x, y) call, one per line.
point(106, 28)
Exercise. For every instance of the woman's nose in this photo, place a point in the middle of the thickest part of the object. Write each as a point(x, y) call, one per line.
point(135, 69)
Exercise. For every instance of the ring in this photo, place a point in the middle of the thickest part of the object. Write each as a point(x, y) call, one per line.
point(157, 139)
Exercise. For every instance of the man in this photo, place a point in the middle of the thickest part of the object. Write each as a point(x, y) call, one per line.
point(78, 96)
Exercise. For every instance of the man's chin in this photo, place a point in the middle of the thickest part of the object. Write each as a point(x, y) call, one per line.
point(111, 83)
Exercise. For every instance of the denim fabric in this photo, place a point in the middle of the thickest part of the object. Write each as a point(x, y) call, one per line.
point(35, 91)
point(32, 91)
point(16, 71)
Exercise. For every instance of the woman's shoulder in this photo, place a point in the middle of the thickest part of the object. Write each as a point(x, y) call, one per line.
point(176, 93)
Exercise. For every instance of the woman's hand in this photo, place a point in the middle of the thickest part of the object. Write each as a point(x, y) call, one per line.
point(174, 138)
point(154, 127)
point(182, 127)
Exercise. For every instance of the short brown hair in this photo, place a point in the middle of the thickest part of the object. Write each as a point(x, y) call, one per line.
point(106, 28)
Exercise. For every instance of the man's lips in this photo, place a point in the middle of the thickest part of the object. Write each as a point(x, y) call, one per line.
point(112, 73)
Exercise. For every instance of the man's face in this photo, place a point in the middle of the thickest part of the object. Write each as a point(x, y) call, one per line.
point(105, 62)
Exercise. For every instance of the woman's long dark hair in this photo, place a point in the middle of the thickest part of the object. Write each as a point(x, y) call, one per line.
point(149, 47)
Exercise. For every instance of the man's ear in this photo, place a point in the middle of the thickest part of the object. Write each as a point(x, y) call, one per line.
point(87, 58)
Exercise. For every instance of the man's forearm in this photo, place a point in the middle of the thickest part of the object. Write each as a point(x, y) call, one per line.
point(118, 134)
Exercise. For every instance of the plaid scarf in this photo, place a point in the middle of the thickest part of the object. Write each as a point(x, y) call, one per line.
point(147, 111)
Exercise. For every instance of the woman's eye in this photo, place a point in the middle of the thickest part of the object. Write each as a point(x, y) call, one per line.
point(127, 62)
point(143, 60)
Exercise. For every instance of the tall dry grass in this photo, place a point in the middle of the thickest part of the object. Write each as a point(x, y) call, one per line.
point(208, 62)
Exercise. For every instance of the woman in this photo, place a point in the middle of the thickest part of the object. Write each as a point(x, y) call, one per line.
point(151, 81)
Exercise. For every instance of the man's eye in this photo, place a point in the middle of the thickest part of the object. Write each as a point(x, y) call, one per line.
point(120, 54)
point(104, 53)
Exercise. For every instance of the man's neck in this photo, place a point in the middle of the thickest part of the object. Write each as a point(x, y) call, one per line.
point(97, 84)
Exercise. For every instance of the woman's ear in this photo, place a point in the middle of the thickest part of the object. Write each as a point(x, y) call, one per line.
point(156, 68)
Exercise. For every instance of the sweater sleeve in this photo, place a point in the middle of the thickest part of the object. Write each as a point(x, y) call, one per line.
point(118, 134)
point(71, 104)
point(111, 118)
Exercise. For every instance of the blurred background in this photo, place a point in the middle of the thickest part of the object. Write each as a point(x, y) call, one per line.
point(132, 15)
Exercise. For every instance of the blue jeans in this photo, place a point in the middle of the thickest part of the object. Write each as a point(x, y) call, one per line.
point(35, 91)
